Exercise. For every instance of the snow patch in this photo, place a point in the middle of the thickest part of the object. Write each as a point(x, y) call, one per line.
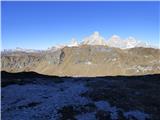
point(73, 43)
point(94, 39)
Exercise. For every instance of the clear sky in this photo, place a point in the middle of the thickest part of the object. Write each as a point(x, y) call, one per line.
point(40, 25)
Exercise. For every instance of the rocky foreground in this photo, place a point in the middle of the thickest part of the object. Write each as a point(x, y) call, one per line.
point(84, 60)
point(32, 96)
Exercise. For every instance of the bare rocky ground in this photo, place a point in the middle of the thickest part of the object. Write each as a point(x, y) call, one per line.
point(85, 61)
point(31, 96)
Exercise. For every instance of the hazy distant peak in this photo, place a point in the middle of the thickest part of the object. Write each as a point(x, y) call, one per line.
point(96, 33)
point(133, 42)
point(94, 39)
point(18, 49)
point(115, 36)
point(115, 41)
point(131, 38)
point(73, 42)
point(130, 42)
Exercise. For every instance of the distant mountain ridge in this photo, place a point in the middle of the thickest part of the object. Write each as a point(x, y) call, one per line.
point(113, 41)
point(85, 60)
point(130, 42)
point(18, 49)
point(95, 39)
point(94, 56)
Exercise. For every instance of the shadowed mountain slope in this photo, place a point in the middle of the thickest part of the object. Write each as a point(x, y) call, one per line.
point(95, 98)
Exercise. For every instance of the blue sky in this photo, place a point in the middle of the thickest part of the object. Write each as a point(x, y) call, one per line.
point(40, 25)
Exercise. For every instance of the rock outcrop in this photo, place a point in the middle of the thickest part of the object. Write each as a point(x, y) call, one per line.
point(85, 60)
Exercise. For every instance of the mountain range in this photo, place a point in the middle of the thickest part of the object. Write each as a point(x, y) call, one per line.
point(92, 57)
point(113, 41)
point(84, 60)
point(95, 39)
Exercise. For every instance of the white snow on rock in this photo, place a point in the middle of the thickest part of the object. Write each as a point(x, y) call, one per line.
point(115, 41)
point(130, 42)
point(94, 39)
point(73, 43)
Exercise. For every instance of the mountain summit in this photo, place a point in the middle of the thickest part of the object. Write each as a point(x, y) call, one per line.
point(94, 39)
point(130, 42)
point(73, 43)
point(114, 41)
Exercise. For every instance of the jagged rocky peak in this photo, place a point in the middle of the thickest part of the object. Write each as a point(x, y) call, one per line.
point(94, 39)
point(115, 37)
point(73, 43)
point(115, 41)
point(130, 42)
point(96, 34)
